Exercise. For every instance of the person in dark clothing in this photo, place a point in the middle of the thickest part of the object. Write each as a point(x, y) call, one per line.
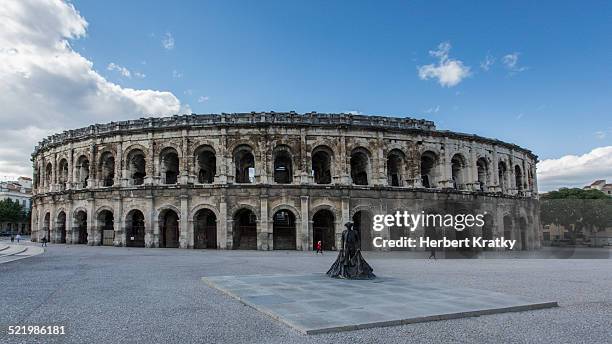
point(433, 253)
point(350, 264)
point(44, 242)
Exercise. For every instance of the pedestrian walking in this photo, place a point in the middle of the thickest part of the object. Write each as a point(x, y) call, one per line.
point(18, 237)
point(433, 253)
point(44, 241)
point(12, 238)
point(319, 247)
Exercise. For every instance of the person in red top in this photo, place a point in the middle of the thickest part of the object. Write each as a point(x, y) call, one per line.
point(319, 247)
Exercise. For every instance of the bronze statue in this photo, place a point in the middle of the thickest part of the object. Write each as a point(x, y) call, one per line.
point(350, 264)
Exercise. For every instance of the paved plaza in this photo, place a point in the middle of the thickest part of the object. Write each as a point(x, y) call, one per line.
point(315, 303)
point(133, 295)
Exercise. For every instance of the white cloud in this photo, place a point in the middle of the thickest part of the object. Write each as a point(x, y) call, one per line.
point(510, 61)
point(575, 170)
point(121, 70)
point(203, 99)
point(47, 87)
point(176, 74)
point(432, 110)
point(140, 75)
point(168, 41)
point(487, 63)
point(448, 71)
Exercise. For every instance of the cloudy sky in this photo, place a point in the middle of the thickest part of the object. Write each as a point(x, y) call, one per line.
point(532, 73)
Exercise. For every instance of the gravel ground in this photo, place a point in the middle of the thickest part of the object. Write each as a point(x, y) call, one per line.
point(131, 295)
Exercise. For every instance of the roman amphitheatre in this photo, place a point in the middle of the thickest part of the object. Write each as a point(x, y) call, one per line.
point(273, 181)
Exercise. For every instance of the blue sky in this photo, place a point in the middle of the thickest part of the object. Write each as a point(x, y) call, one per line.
point(340, 56)
point(546, 85)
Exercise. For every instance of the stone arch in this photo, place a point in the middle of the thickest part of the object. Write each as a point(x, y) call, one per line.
point(244, 229)
point(361, 166)
point(80, 225)
point(429, 167)
point(136, 165)
point(105, 228)
point(282, 164)
point(459, 170)
point(169, 231)
point(106, 168)
point(62, 173)
point(502, 175)
point(47, 226)
point(518, 177)
point(201, 206)
point(396, 167)
point(48, 174)
point(61, 232)
point(82, 171)
point(284, 229)
point(483, 173)
point(205, 228)
point(135, 228)
point(323, 228)
point(322, 158)
point(205, 163)
point(289, 207)
point(169, 165)
point(243, 157)
point(169, 207)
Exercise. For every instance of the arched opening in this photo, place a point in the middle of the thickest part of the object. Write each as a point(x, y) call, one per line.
point(136, 167)
point(169, 168)
point(518, 178)
point(61, 227)
point(168, 229)
point(362, 223)
point(205, 229)
point(206, 164)
point(47, 227)
point(107, 169)
point(458, 167)
point(82, 171)
point(360, 166)
point(429, 174)
point(321, 165)
point(502, 172)
point(80, 221)
point(245, 230)
point(395, 166)
point(323, 229)
point(483, 173)
point(507, 227)
point(49, 175)
point(135, 229)
point(530, 178)
point(523, 233)
point(63, 174)
point(283, 166)
point(245, 164)
point(106, 227)
point(283, 230)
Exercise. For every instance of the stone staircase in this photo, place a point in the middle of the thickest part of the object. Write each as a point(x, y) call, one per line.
point(12, 252)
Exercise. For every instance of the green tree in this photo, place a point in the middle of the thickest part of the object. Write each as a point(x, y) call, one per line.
point(10, 211)
point(575, 193)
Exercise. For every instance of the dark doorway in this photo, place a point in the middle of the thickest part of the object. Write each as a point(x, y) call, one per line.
point(61, 227)
point(81, 227)
point(245, 230)
point(106, 227)
point(283, 230)
point(323, 229)
point(168, 229)
point(135, 229)
point(362, 222)
point(321, 165)
point(283, 167)
point(205, 229)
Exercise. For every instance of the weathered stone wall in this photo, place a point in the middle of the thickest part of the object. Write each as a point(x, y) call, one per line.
point(465, 176)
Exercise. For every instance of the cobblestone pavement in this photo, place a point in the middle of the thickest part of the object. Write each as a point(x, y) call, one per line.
point(132, 295)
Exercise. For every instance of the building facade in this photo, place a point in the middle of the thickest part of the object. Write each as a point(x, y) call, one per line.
point(19, 191)
point(273, 181)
